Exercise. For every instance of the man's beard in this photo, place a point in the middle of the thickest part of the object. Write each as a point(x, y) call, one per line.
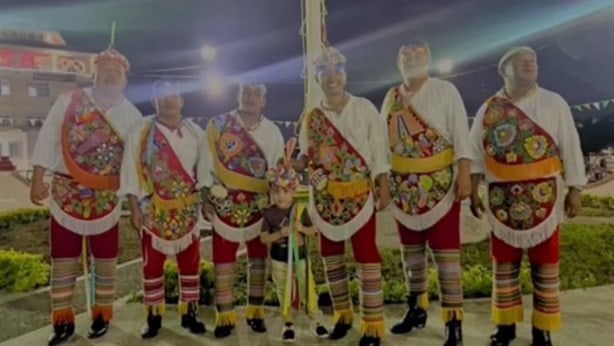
point(414, 71)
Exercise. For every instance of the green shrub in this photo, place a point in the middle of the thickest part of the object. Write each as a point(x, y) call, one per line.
point(598, 202)
point(22, 272)
point(21, 216)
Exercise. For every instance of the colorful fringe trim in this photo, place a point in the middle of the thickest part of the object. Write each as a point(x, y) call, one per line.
point(423, 301)
point(448, 314)
point(227, 318)
point(182, 308)
point(547, 322)
point(63, 316)
point(507, 316)
point(156, 310)
point(105, 311)
point(254, 312)
point(344, 316)
point(373, 329)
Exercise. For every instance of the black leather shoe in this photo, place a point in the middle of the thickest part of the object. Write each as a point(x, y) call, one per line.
point(503, 335)
point(340, 330)
point(152, 327)
point(99, 328)
point(415, 317)
point(454, 333)
point(191, 321)
point(222, 331)
point(257, 325)
point(369, 341)
point(61, 333)
point(541, 337)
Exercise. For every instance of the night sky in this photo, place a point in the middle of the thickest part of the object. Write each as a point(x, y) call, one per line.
point(258, 40)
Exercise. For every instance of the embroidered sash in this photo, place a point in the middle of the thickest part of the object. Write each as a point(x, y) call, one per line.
point(525, 159)
point(422, 166)
point(171, 208)
point(92, 150)
point(344, 188)
point(240, 167)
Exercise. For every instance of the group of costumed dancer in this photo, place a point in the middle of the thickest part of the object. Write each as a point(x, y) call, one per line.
point(416, 156)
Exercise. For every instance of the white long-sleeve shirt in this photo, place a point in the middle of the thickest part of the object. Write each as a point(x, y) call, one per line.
point(268, 137)
point(186, 141)
point(360, 124)
point(441, 106)
point(47, 151)
point(551, 112)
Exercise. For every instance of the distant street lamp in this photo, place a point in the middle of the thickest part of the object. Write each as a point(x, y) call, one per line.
point(445, 66)
point(208, 53)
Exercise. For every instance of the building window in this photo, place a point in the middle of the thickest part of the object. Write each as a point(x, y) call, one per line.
point(39, 90)
point(15, 150)
point(5, 89)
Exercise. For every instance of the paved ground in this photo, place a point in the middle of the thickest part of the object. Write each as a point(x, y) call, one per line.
point(587, 317)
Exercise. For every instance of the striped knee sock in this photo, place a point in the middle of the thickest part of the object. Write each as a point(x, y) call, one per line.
point(450, 285)
point(224, 294)
point(414, 263)
point(63, 275)
point(371, 299)
point(546, 305)
point(106, 272)
point(507, 301)
point(337, 278)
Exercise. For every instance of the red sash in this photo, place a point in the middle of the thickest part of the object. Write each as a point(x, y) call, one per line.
point(422, 170)
point(172, 209)
point(240, 166)
point(345, 170)
point(92, 151)
point(525, 159)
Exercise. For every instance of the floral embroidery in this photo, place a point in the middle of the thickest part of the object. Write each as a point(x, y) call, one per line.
point(339, 162)
point(95, 148)
point(170, 182)
point(416, 194)
point(239, 153)
point(82, 202)
point(511, 137)
point(524, 204)
point(536, 146)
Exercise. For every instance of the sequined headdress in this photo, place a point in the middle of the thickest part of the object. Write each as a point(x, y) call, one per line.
point(283, 175)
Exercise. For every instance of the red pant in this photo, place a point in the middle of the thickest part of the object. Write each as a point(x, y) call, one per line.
point(363, 245)
point(64, 243)
point(544, 253)
point(445, 234)
point(65, 248)
point(225, 251)
point(188, 264)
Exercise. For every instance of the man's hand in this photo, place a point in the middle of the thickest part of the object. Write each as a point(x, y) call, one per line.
point(573, 202)
point(477, 205)
point(39, 191)
point(208, 210)
point(462, 185)
point(137, 220)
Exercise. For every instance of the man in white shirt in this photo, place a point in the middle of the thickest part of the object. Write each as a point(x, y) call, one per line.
point(342, 143)
point(430, 151)
point(81, 142)
point(241, 146)
point(529, 153)
point(159, 178)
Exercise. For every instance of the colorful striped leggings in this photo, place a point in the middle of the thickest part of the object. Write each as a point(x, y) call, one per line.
point(368, 272)
point(507, 301)
point(443, 238)
point(65, 248)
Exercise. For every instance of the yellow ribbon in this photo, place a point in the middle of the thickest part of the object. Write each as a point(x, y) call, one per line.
point(346, 190)
point(406, 165)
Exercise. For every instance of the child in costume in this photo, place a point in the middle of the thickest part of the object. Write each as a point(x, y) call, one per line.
point(285, 228)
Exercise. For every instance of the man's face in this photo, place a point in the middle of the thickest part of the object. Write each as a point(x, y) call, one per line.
point(282, 197)
point(251, 99)
point(332, 80)
point(110, 75)
point(414, 60)
point(522, 67)
point(169, 101)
